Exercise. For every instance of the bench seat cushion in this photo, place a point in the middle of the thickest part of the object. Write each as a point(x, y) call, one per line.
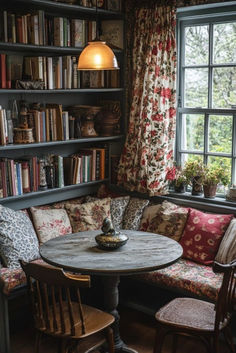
point(11, 278)
point(188, 277)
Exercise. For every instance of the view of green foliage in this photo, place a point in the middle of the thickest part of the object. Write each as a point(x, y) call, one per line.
point(196, 91)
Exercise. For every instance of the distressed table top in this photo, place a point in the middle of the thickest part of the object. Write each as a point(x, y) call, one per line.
point(143, 252)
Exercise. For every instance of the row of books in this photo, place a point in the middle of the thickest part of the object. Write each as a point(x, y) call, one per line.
point(113, 5)
point(38, 29)
point(33, 174)
point(49, 123)
point(58, 72)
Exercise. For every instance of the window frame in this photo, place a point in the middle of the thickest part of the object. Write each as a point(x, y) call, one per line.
point(202, 15)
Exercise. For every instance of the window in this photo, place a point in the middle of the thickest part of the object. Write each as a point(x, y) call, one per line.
point(206, 123)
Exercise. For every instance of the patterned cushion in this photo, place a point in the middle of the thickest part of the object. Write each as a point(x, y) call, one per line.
point(148, 214)
point(227, 250)
point(187, 276)
point(202, 235)
point(169, 220)
point(13, 278)
point(118, 207)
point(18, 239)
point(50, 223)
point(133, 213)
point(90, 215)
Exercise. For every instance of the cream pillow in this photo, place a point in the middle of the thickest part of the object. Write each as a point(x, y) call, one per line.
point(169, 220)
point(227, 249)
point(148, 214)
point(50, 223)
point(89, 215)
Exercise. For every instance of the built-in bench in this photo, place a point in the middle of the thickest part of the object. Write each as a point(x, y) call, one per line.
point(186, 276)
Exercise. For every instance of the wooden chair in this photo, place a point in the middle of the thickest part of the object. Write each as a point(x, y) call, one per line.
point(58, 311)
point(200, 319)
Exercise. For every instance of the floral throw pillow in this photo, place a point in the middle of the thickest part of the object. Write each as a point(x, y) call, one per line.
point(18, 239)
point(202, 235)
point(118, 207)
point(133, 213)
point(90, 215)
point(50, 223)
point(148, 214)
point(169, 220)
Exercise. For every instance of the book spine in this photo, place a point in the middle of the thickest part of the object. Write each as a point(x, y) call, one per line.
point(3, 71)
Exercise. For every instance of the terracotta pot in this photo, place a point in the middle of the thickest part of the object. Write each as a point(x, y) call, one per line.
point(209, 191)
point(197, 186)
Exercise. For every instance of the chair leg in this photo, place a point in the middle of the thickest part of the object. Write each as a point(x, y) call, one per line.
point(4, 324)
point(159, 339)
point(110, 340)
point(37, 341)
point(229, 339)
point(174, 343)
point(63, 346)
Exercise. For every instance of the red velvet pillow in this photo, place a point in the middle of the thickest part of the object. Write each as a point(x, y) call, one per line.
point(202, 235)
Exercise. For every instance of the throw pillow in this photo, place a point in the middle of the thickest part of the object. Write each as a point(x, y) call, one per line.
point(169, 220)
point(118, 207)
point(148, 214)
point(50, 223)
point(133, 213)
point(90, 215)
point(18, 239)
point(227, 250)
point(202, 235)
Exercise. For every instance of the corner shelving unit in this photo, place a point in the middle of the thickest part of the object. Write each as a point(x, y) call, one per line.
point(66, 97)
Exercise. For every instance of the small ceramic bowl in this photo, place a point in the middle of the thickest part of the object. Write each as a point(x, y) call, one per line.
point(111, 241)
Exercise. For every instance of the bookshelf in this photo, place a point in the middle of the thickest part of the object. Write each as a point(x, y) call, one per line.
point(65, 97)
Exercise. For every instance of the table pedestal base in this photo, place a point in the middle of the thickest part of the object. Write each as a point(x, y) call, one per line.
point(111, 300)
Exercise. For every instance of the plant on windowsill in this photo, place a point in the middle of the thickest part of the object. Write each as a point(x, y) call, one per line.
point(176, 178)
point(194, 172)
point(213, 176)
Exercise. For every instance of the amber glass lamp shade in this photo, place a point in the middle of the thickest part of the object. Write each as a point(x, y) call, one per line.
point(97, 56)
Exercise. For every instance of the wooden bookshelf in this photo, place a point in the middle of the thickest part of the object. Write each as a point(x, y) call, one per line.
point(66, 97)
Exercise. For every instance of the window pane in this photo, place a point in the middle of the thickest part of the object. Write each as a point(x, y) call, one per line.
point(226, 164)
point(220, 133)
point(192, 137)
point(196, 45)
point(224, 87)
point(224, 51)
point(196, 88)
point(190, 157)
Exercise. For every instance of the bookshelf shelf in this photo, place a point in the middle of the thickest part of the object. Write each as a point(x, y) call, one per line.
point(44, 48)
point(81, 140)
point(58, 91)
point(69, 9)
point(51, 195)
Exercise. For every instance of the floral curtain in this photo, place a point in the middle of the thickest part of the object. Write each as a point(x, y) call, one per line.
point(148, 150)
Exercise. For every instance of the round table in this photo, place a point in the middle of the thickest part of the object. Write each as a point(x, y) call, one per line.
point(143, 252)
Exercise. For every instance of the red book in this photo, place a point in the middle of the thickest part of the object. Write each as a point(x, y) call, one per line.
point(3, 71)
point(4, 177)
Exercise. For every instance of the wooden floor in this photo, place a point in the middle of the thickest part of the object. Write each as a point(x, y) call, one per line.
point(137, 330)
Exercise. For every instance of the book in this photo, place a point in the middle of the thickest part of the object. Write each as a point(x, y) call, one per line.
point(3, 70)
point(25, 176)
point(58, 31)
point(77, 32)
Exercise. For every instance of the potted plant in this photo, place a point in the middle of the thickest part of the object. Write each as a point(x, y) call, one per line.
point(194, 172)
point(213, 176)
point(177, 178)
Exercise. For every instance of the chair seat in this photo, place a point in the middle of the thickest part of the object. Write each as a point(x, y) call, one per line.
point(188, 313)
point(95, 321)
